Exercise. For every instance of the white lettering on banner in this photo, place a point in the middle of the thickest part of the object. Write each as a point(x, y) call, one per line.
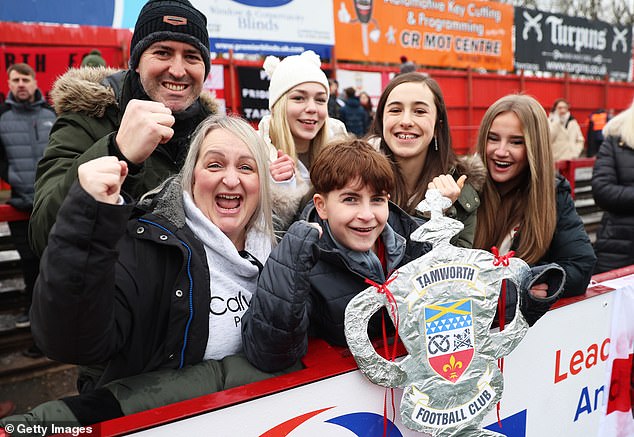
point(580, 361)
point(585, 404)
point(484, 12)
point(440, 24)
point(435, 418)
point(255, 113)
point(577, 37)
point(455, 9)
point(255, 94)
point(259, 47)
point(419, 4)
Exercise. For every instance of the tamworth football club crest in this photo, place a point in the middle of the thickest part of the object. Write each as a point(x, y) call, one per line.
point(443, 304)
point(449, 338)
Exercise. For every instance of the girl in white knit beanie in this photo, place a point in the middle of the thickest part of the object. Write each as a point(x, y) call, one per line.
point(297, 128)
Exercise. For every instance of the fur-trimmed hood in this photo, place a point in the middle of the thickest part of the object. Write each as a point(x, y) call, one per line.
point(84, 90)
point(473, 167)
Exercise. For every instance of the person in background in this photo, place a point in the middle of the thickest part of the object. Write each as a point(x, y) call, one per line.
point(596, 123)
point(407, 66)
point(143, 116)
point(525, 206)
point(613, 192)
point(565, 134)
point(25, 122)
point(334, 102)
point(412, 129)
point(366, 103)
point(353, 115)
point(150, 292)
point(297, 129)
point(347, 233)
point(93, 59)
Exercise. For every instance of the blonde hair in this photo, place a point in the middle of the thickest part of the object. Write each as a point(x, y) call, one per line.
point(282, 137)
point(533, 204)
point(261, 218)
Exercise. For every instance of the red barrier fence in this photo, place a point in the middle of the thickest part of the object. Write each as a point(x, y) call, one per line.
point(10, 214)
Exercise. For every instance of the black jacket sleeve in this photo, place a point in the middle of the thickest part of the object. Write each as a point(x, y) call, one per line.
point(571, 247)
point(75, 299)
point(275, 328)
point(609, 189)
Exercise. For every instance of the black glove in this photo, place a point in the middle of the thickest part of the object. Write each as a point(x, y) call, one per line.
point(534, 307)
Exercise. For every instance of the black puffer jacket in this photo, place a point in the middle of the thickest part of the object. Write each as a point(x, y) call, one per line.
point(570, 246)
point(132, 294)
point(613, 191)
point(307, 283)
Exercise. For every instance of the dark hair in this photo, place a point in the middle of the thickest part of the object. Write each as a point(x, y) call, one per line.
point(557, 102)
point(348, 159)
point(331, 81)
point(350, 92)
point(436, 162)
point(22, 69)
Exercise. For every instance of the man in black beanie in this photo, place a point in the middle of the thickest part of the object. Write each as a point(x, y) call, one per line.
point(143, 116)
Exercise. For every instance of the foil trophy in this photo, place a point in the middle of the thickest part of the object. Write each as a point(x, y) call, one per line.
point(443, 304)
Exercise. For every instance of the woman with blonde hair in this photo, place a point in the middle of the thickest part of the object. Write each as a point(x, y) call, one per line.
point(526, 206)
point(153, 293)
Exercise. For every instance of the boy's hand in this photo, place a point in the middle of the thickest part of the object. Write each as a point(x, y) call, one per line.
point(447, 186)
point(102, 178)
point(283, 168)
point(318, 227)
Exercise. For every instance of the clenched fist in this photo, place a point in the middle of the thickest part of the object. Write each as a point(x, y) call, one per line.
point(102, 178)
point(145, 125)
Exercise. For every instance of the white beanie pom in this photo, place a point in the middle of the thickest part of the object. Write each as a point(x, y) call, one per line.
point(313, 57)
point(270, 65)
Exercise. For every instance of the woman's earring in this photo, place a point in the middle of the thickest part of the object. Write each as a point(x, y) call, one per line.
point(435, 143)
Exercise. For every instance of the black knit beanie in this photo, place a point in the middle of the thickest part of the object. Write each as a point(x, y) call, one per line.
point(174, 20)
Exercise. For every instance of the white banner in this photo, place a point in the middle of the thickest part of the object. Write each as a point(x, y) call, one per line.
point(617, 420)
point(281, 27)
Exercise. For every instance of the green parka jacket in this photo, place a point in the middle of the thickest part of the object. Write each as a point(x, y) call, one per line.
point(90, 103)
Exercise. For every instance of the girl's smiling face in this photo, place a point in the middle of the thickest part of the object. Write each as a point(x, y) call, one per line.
point(409, 119)
point(306, 111)
point(506, 149)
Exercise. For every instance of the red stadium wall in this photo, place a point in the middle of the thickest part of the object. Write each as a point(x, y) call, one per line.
point(52, 49)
